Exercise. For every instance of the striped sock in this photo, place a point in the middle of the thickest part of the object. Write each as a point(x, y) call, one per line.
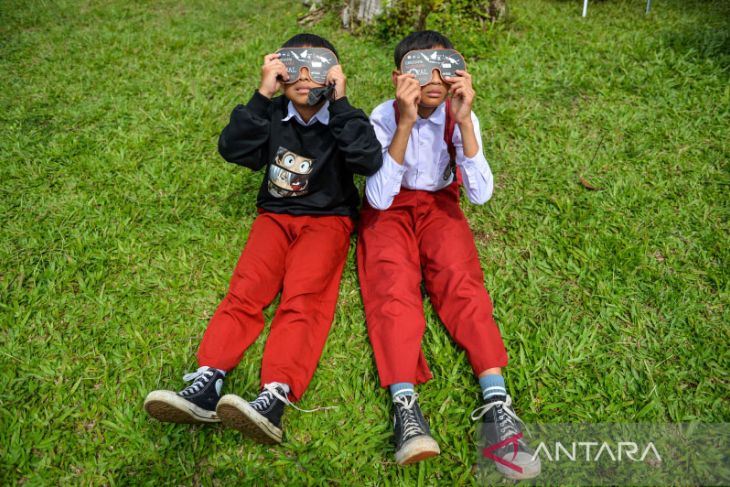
point(401, 388)
point(493, 388)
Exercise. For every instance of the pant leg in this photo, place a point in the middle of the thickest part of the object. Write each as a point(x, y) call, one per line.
point(455, 281)
point(256, 281)
point(390, 278)
point(302, 322)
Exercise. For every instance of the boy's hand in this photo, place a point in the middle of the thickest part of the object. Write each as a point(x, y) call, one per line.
point(336, 77)
point(408, 95)
point(273, 72)
point(462, 96)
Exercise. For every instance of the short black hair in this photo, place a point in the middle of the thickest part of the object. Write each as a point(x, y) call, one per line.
point(423, 39)
point(310, 40)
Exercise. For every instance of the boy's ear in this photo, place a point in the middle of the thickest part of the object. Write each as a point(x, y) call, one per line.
point(394, 75)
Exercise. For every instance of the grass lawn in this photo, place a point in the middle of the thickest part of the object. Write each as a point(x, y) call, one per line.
point(121, 226)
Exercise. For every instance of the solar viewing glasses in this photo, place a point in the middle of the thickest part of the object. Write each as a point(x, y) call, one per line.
point(317, 60)
point(422, 62)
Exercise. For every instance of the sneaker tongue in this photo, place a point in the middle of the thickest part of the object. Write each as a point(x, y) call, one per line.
point(405, 400)
point(496, 399)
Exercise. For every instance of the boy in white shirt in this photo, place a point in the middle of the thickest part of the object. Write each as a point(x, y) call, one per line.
point(412, 228)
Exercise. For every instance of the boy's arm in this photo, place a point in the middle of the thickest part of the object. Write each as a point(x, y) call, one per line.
point(351, 129)
point(243, 141)
point(385, 185)
point(355, 137)
point(475, 171)
point(478, 180)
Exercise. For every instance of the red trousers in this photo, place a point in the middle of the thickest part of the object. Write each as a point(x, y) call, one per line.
point(423, 235)
point(301, 256)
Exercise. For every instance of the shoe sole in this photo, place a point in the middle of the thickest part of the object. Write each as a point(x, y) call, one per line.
point(530, 468)
point(168, 407)
point(236, 413)
point(417, 449)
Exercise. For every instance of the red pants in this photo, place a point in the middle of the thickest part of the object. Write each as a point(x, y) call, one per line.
point(423, 235)
point(301, 256)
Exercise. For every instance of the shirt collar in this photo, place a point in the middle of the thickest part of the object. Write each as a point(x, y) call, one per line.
point(438, 117)
point(322, 116)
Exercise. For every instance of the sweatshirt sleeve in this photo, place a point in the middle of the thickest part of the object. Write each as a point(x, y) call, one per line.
point(355, 137)
point(243, 141)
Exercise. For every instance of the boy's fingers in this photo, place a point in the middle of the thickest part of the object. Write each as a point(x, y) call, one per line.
point(411, 84)
point(278, 64)
point(404, 79)
point(455, 86)
point(337, 75)
point(407, 88)
point(413, 91)
point(279, 69)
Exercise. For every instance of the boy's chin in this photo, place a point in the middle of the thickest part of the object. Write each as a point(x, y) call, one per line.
point(296, 97)
point(431, 103)
point(298, 101)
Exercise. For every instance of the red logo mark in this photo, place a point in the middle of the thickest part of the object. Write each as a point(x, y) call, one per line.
point(487, 452)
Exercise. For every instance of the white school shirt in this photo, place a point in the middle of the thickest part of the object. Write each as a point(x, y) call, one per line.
point(426, 159)
point(322, 116)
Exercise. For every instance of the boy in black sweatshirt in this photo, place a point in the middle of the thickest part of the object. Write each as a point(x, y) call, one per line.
point(298, 243)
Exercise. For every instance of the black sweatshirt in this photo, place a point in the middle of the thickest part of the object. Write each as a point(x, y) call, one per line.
point(309, 170)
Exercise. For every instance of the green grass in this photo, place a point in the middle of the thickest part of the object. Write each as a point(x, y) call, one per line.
point(121, 226)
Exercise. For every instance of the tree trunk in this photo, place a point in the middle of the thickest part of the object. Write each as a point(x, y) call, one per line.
point(497, 9)
point(358, 12)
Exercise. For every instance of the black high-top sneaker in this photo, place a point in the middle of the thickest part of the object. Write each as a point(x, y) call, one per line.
point(412, 434)
point(501, 424)
point(259, 419)
point(194, 404)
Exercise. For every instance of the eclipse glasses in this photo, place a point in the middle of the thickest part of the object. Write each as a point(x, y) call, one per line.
point(422, 62)
point(317, 60)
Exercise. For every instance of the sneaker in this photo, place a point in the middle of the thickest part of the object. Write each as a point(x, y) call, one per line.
point(412, 434)
point(259, 419)
point(500, 423)
point(194, 404)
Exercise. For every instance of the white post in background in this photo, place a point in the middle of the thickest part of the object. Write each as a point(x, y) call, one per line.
point(585, 7)
point(648, 6)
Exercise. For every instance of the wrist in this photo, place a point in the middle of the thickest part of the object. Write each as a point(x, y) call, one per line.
point(465, 124)
point(340, 89)
point(406, 122)
point(267, 93)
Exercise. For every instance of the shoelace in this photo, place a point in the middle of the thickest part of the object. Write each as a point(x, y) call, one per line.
point(411, 427)
point(271, 391)
point(506, 418)
point(200, 378)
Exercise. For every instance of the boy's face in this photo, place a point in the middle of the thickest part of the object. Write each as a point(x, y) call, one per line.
point(298, 92)
point(434, 93)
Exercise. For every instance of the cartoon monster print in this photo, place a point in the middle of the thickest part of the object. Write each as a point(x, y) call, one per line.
point(289, 174)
